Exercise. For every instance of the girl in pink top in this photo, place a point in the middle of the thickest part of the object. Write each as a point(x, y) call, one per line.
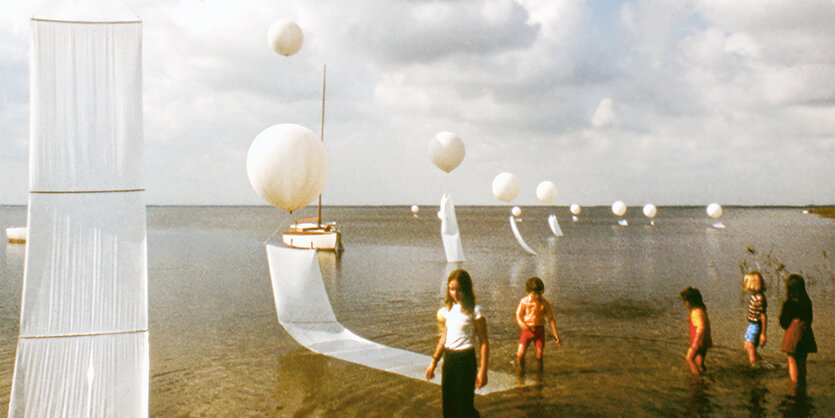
point(699, 323)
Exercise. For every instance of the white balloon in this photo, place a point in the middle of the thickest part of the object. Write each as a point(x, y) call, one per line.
point(285, 37)
point(505, 187)
point(415, 209)
point(650, 210)
point(446, 151)
point(575, 209)
point(714, 210)
point(546, 192)
point(619, 208)
point(287, 165)
point(516, 211)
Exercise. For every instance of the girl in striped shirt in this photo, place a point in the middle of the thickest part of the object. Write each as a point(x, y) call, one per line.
point(756, 315)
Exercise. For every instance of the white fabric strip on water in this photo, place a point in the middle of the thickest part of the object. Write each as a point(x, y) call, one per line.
point(555, 225)
point(450, 235)
point(305, 312)
point(518, 236)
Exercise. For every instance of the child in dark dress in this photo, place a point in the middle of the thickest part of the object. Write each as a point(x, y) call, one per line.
point(796, 319)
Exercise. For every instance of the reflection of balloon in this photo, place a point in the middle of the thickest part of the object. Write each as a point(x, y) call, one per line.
point(650, 210)
point(446, 151)
point(415, 209)
point(516, 211)
point(505, 187)
point(287, 165)
point(714, 210)
point(619, 208)
point(285, 37)
point(575, 209)
point(546, 192)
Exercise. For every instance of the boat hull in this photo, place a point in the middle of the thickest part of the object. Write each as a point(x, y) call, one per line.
point(316, 240)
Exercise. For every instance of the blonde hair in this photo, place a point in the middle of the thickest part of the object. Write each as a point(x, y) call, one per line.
point(753, 282)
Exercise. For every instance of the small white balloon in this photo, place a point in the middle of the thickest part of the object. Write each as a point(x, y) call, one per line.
point(516, 211)
point(575, 209)
point(287, 165)
point(546, 192)
point(506, 187)
point(619, 208)
point(415, 209)
point(714, 210)
point(650, 210)
point(446, 150)
point(285, 37)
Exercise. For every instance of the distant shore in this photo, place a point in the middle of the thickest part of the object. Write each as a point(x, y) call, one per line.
point(826, 212)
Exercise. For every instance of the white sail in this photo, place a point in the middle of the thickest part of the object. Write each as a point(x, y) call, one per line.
point(449, 231)
point(518, 236)
point(304, 310)
point(83, 345)
point(555, 225)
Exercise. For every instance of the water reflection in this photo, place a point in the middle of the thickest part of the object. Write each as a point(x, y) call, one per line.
point(699, 402)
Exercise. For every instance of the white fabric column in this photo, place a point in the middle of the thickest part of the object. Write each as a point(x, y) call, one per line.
point(83, 346)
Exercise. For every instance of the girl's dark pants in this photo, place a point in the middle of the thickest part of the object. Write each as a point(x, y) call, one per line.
point(458, 383)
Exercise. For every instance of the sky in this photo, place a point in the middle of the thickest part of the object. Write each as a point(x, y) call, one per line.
point(675, 102)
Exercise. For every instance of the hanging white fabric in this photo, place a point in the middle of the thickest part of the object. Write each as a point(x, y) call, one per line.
point(518, 236)
point(304, 310)
point(83, 345)
point(555, 226)
point(450, 235)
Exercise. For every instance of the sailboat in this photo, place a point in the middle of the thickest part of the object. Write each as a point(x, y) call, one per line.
point(312, 233)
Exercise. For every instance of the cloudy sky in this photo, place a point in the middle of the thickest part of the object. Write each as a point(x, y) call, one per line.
point(668, 102)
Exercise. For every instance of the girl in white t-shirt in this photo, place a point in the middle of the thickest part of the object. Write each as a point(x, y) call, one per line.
point(464, 329)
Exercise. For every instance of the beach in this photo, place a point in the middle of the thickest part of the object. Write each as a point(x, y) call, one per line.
point(217, 349)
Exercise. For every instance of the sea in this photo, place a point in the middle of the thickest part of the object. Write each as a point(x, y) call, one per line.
point(217, 349)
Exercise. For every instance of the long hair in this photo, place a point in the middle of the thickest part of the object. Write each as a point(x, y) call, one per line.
point(692, 296)
point(465, 285)
point(796, 290)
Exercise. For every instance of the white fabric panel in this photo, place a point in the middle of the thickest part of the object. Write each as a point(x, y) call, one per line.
point(100, 376)
point(555, 225)
point(305, 312)
point(449, 231)
point(86, 11)
point(518, 236)
point(86, 267)
point(86, 107)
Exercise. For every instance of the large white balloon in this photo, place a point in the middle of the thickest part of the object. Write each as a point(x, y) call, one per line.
point(446, 151)
point(619, 208)
point(516, 211)
point(575, 209)
point(546, 192)
point(505, 187)
point(285, 37)
point(714, 210)
point(287, 165)
point(650, 210)
point(415, 209)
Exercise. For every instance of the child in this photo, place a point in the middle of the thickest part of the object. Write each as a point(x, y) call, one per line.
point(699, 322)
point(464, 328)
point(757, 317)
point(796, 319)
point(531, 315)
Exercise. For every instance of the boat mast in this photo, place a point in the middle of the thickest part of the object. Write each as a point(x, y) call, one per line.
point(322, 137)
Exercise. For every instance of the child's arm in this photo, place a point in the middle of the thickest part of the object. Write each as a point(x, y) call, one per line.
point(484, 349)
point(436, 355)
point(549, 315)
point(763, 321)
point(520, 321)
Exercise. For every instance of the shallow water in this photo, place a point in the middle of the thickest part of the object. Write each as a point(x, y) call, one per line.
point(217, 348)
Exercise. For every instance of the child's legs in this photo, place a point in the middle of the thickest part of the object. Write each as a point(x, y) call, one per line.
point(752, 340)
point(792, 367)
point(797, 368)
point(539, 341)
point(752, 352)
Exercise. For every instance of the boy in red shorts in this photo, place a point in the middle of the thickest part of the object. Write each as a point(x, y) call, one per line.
point(531, 315)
